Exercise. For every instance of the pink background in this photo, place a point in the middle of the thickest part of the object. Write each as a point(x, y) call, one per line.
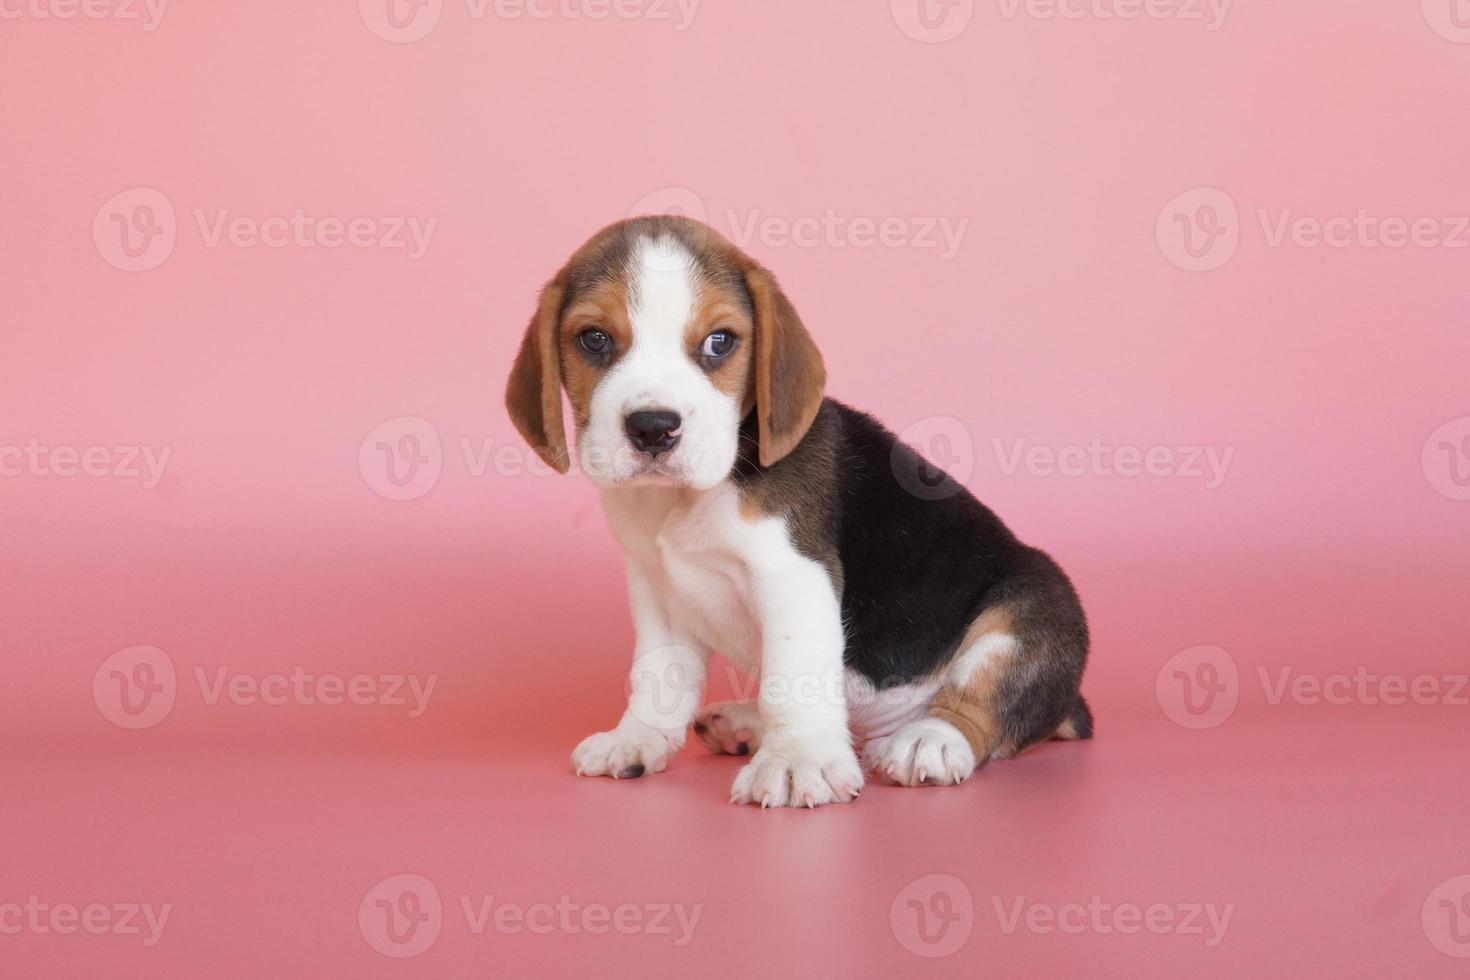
point(1334, 543)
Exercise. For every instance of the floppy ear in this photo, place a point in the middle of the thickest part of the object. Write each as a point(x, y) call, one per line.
point(533, 395)
point(789, 373)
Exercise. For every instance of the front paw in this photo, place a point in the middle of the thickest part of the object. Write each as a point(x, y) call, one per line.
point(800, 770)
point(626, 752)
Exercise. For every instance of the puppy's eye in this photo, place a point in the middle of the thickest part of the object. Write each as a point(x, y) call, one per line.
point(717, 345)
point(595, 341)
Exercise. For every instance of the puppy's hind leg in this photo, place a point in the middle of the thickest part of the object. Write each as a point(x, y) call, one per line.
point(1013, 683)
point(730, 727)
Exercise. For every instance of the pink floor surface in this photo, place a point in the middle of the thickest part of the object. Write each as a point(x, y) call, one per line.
point(1182, 226)
point(1289, 838)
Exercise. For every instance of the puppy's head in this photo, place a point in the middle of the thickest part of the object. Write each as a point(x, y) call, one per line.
point(666, 338)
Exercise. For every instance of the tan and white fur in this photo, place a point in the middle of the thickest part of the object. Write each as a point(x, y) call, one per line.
point(749, 566)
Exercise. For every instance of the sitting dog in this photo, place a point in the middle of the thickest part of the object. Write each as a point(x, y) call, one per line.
point(879, 604)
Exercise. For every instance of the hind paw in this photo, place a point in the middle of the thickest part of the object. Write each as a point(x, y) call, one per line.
point(729, 728)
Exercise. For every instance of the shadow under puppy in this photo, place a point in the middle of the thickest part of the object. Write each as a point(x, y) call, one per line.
point(880, 605)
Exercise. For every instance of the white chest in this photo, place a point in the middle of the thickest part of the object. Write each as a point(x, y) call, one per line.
point(694, 549)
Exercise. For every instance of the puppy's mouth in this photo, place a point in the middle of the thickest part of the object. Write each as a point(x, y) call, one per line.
point(627, 465)
point(662, 468)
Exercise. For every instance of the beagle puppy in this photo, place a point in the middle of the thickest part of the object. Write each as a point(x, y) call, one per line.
point(888, 615)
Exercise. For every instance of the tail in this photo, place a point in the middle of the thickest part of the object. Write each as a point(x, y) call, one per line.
point(1078, 724)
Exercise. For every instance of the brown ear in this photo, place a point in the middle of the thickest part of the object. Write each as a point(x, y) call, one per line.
point(789, 373)
point(533, 395)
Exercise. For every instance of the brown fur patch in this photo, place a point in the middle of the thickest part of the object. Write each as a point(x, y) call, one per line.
point(789, 372)
point(602, 306)
point(717, 309)
point(533, 395)
point(995, 620)
point(972, 708)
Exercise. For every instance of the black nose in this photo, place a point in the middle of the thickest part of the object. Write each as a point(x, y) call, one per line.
point(653, 432)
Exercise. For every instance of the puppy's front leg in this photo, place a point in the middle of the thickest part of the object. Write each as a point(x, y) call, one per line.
point(665, 688)
point(806, 757)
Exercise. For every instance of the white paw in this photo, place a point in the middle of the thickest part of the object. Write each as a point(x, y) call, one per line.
point(800, 770)
point(929, 752)
point(730, 727)
point(626, 752)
